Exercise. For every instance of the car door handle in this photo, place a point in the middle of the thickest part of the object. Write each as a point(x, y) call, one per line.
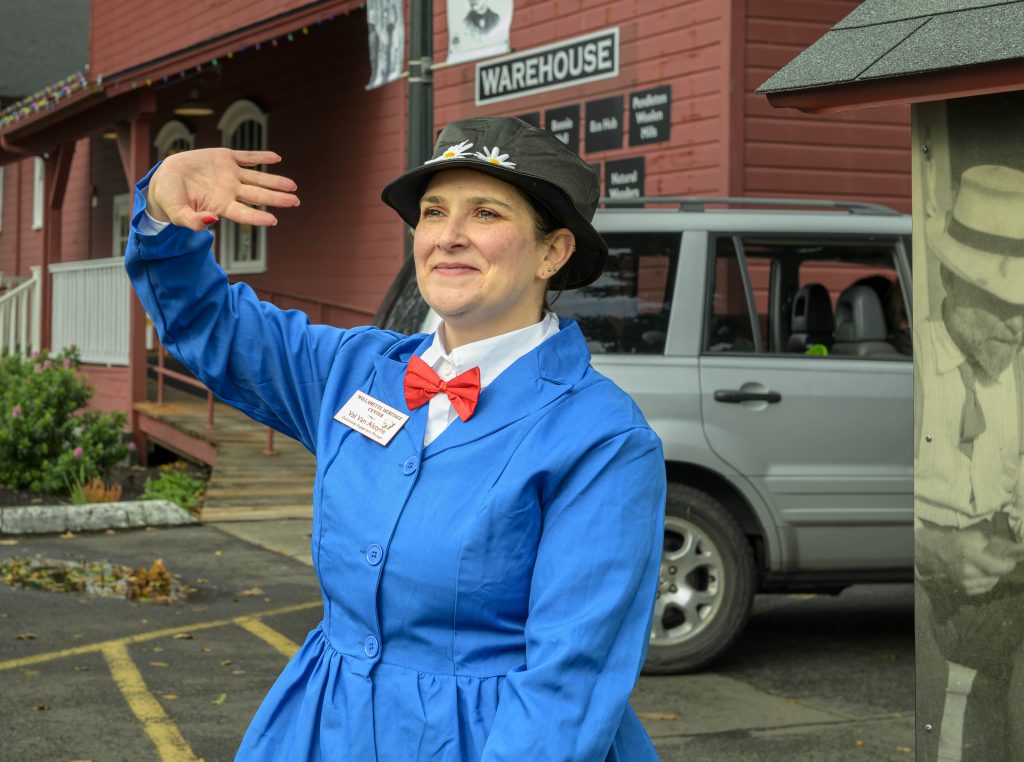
point(736, 396)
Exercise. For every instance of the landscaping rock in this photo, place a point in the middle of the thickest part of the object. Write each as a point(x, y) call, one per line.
point(94, 517)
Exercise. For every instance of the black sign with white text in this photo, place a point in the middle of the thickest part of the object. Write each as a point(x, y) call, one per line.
point(603, 124)
point(587, 58)
point(650, 115)
point(624, 178)
point(564, 122)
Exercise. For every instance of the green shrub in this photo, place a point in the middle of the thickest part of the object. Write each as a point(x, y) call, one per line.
point(176, 487)
point(45, 443)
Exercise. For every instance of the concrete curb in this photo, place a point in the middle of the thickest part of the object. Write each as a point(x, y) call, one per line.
point(50, 519)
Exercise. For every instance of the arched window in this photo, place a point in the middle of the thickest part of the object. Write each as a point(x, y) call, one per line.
point(175, 136)
point(243, 248)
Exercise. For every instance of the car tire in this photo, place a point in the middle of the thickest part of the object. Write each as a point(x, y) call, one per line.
point(706, 584)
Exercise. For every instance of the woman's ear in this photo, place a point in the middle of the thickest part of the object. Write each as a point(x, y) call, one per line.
point(560, 247)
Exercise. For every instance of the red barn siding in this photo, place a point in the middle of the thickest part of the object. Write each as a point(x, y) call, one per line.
point(10, 259)
point(111, 388)
point(662, 42)
point(107, 177)
point(31, 241)
point(75, 222)
point(860, 154)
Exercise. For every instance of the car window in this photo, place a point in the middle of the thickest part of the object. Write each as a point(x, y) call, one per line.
point(807, 296)
point(626, 310)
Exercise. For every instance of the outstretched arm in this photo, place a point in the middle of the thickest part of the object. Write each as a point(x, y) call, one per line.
point(270, 363)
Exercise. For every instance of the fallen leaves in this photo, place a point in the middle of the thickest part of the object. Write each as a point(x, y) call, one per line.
point(184, 636)
point(252, 591)
point(657, 716)
point(155, 584)
point(161, 664)
point(8, 542)
point(42, 707)
point(221, 698)
point(169, 696)
point(27, 636)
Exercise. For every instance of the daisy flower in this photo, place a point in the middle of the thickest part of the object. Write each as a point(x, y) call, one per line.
point(452, 152)
point(495, 156)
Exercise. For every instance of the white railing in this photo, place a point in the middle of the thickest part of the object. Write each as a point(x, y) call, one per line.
point(91, 306)
point(20, 313)
point(10, 281)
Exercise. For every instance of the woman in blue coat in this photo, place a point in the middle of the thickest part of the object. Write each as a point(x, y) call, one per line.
point(487, 514)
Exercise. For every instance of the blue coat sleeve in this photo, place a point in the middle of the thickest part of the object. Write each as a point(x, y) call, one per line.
point(270, 363)
point(591, 603)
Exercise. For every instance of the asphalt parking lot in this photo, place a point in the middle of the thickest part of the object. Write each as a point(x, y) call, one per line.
point(813, 678)
point(107, 679)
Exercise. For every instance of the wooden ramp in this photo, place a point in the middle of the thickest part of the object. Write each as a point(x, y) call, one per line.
point(245, 484)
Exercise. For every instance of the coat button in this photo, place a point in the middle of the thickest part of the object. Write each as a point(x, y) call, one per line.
point(374, 554)
point(410, 465)
point(371, 646)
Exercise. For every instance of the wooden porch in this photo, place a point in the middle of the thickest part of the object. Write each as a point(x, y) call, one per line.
point(246, 484)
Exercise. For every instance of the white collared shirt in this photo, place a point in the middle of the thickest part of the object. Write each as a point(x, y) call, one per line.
point(491, 355)
point(953, 488)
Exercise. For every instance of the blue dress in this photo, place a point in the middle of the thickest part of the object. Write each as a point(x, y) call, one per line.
point(487, 597)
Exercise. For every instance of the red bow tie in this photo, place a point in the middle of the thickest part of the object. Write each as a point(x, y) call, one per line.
point(422, 383)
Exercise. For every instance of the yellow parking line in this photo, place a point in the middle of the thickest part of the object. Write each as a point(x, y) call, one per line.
point(268, 635)
point(142, 637)
point(168, 740)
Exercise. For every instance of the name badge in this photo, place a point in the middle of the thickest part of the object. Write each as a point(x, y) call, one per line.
point(371, 418)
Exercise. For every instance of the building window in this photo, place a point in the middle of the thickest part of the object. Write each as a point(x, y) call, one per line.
point(122, 223)
point(37, 194)
point(174, 137)
point(243, 248)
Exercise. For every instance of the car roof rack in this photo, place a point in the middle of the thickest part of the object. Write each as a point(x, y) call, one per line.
point(699, 203)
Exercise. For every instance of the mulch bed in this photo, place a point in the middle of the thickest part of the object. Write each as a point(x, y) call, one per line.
point(131, 478)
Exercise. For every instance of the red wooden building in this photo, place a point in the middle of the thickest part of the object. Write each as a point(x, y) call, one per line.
point(291, 76)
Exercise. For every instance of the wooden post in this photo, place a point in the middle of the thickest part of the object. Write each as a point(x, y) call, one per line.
point(136, 158)
point(55, 183)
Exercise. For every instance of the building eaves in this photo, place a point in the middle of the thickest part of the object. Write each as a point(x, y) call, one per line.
point(897, 38)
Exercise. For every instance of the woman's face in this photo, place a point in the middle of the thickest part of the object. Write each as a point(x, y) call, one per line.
point(479, 264)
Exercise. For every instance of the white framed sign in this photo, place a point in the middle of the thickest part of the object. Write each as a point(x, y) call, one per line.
point(478, 29)
point(587, 58)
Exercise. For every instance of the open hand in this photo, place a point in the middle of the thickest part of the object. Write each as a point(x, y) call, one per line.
point(195, 188)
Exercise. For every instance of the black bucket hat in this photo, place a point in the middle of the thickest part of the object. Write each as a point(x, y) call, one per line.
point(535, 162)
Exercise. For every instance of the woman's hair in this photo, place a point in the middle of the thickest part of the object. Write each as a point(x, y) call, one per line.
point(545, 224)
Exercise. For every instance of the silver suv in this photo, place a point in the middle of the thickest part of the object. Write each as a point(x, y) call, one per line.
point(768, 343)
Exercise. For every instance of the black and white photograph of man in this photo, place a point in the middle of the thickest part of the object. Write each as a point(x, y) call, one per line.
point(386, 29)
point(478, 28)
point(969, 442)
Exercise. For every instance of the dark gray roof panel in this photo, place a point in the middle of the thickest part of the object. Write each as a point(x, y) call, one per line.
point(884, 11)
point(41, 41)
point(841, 56)
point(957, 39)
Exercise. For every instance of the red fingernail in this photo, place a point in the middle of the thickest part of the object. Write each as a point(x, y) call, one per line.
point(209, 220)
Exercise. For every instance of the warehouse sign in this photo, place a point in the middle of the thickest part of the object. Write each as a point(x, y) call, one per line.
point(570, 62)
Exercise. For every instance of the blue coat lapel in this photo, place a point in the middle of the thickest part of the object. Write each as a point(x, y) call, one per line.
point(534, 380)
point(389, 385)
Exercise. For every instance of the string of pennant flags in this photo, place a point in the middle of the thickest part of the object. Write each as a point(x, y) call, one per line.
point(47, 98)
